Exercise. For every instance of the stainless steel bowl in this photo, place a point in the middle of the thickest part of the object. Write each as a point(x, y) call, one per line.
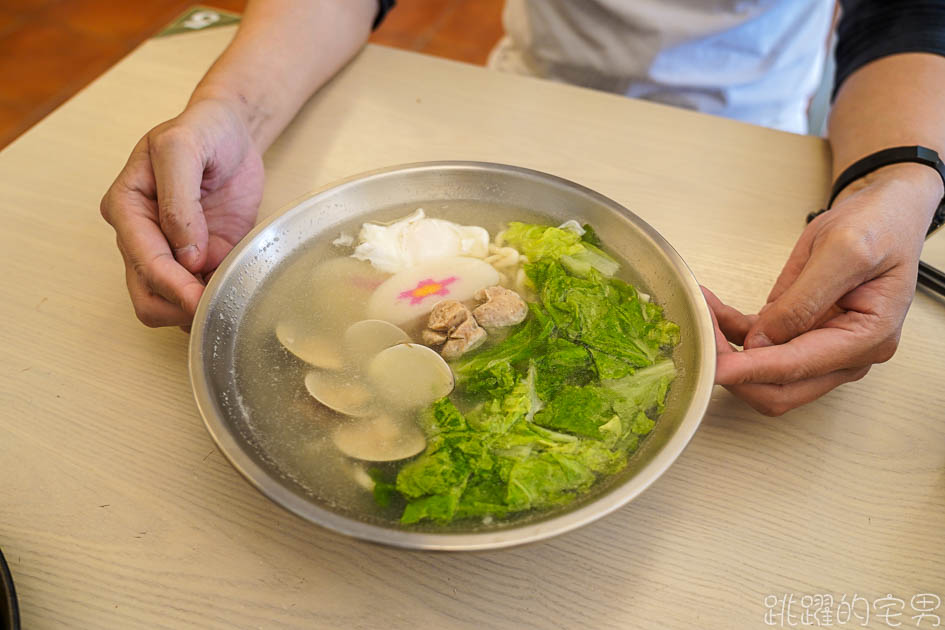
point(656, 268)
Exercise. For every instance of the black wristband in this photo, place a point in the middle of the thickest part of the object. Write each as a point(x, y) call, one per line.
point(861, 168)
point(383, 7)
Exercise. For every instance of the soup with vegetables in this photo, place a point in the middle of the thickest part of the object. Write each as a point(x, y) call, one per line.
point(430, 372)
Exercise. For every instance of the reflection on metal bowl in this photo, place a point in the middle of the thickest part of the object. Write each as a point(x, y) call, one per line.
point(9, 610)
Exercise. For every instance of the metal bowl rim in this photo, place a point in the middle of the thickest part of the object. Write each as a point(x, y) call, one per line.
point(10, 607)
point(513, 536)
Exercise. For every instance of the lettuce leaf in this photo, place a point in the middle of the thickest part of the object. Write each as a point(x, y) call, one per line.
point(563, 363)
point(577, 410)
point(432, 473)
point(499, 414)
point(546, 479)
point(484, 497)
point(564, 399)
point(442, 416)
point(604, 314)
point(590, 236)
point(645, 390)
point(591, 258)
point(542, 241)
point(579, 254)
point(661, 331)
point(595, 455)
point(528, 437)
point(438, 507)
point(642, 424)
point(384, 490)
point(492, 369)
point(609, 366)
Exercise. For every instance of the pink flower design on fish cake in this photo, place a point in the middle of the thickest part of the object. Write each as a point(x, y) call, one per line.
point(426, 288)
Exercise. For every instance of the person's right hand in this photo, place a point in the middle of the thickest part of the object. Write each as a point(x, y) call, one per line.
point(189, 192)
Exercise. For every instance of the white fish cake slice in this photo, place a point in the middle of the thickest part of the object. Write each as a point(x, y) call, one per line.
point(411, 294)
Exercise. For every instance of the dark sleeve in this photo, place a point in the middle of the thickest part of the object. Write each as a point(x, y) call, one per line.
point(383, 6)
point(870, 29)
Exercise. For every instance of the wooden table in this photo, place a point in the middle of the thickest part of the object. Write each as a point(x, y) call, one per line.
point(116, 510)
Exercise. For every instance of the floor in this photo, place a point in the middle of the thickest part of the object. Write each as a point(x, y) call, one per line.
point(50, 49)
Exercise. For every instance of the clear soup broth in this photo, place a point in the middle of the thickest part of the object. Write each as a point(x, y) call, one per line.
point(323, 290)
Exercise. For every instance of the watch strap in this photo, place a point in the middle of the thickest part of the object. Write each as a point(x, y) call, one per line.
point(895, 155)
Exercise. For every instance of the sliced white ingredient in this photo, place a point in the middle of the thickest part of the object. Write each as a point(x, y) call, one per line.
point(410, 375)
point(309, 346)
point(342, 395)
point(366, 338)
point(412, 293)
point(415, 239)
point(379, 439)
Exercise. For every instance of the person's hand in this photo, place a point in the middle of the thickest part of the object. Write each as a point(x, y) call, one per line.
point(840, 301)
point(188, 193)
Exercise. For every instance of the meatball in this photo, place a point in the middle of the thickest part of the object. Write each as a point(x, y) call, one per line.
point(501, 307)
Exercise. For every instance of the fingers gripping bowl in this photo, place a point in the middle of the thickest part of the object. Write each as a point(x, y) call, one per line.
point(250, 311)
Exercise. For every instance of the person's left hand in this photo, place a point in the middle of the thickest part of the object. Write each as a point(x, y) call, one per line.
point(188, 193)
point(840, 301)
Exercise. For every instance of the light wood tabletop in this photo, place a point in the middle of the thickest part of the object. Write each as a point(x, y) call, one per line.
point(117, 511)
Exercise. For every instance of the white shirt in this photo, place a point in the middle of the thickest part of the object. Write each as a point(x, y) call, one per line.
point(758, 61)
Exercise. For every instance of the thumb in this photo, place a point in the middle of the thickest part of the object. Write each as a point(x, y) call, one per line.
point(826, 276)
point(178, 172)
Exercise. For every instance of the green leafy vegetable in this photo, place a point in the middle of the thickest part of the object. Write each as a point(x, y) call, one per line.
point(644, 390)
point(437, 507)
point(564, 399)
point(542, 242)
point(577, 410)
point(499, 414)
point(493, 369)
point(563, 363)
point(485, 497)
point(590, 236)
point(597, 456)
point(526, 438)
point(591, 258)
point(661, 331)
point(609, 366)
point(642, 424)
point(432, 473)
point(442, 416)
point(605, 314)
point(546, 479)
point(384, 489)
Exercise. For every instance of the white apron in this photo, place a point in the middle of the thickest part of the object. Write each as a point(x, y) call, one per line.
point(758, 61)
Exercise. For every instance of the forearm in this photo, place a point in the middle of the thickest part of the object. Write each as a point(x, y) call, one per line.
point(893, 101)
point(283, 52)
